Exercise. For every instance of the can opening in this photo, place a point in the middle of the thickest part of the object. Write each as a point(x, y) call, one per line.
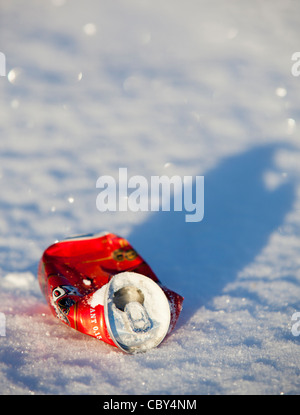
point(130, 300)
point(128, 294)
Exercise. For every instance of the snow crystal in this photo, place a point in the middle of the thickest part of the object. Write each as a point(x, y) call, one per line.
point(98, 297)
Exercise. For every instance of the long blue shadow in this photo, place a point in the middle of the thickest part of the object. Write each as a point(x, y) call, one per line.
point(198, 259)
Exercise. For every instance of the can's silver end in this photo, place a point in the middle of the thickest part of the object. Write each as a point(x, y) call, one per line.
point(137, 312)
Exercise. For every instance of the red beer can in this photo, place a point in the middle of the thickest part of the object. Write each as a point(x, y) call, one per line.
point(99, 285)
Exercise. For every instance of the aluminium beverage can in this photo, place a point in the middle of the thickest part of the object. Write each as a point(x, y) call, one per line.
point(99, 285)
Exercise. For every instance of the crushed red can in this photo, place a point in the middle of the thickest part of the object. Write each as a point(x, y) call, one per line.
point(99, 285)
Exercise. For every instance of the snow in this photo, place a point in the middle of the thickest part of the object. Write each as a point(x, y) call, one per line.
point(98, 297)
point(180, 88)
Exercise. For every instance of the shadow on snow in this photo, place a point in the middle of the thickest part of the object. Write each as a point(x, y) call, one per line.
point(198, 259)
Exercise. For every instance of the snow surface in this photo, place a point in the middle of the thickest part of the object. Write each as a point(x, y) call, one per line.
point(191, 87)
